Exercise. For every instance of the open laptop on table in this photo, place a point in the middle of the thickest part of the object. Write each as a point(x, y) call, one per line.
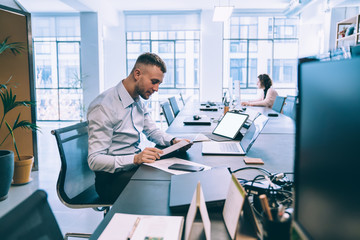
point(229, 127)
point(234, 148)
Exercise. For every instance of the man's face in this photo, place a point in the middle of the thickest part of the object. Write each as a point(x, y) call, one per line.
point(148, 77)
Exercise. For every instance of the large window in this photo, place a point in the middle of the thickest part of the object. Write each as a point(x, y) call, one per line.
point(177, 44)
point(57, 67)
point(256, 45)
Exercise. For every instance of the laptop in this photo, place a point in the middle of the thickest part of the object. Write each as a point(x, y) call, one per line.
point(214, 183)
point(234, 148)
point(229, 127)
point(197, 120)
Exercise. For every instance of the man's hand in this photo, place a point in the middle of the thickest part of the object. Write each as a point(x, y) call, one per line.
point(246, 104)
point(148, 155)
point(176, 140)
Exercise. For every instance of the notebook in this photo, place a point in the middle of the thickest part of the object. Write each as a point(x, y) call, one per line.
point(204, 120)
point(235, 148)
point(214, 183)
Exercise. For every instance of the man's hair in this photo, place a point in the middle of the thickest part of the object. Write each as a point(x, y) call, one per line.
point(265, 81)
point(150, 59)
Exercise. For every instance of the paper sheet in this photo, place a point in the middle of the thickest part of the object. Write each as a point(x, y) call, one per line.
point(201, 138)
point(165, 227)
point(165, 163)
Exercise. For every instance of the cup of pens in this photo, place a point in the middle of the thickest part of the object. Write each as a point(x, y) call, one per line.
point(276, 222)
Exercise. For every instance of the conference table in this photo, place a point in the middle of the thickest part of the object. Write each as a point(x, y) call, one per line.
point(147, 193)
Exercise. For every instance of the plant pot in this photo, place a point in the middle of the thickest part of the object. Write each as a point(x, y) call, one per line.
point(6, 172)
point(22, 170)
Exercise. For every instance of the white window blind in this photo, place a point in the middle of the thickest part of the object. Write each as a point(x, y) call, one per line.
point(162, 21)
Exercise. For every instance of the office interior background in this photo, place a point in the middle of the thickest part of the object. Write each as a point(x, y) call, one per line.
point(83, 47)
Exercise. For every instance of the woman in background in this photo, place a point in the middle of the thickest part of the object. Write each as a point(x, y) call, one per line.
point(267, 97)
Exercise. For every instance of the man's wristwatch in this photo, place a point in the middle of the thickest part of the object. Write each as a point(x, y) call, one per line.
point(172, 141)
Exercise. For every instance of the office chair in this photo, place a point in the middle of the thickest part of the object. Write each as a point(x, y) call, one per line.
point(167, 113)
point(174, 106)
point(32, 219)
point(289, 108)
point(278, 104)
point(76, 182)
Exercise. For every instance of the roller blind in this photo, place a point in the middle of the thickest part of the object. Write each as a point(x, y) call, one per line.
point(162, 21)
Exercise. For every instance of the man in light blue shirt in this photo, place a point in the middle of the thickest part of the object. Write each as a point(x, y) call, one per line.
point(116, 119)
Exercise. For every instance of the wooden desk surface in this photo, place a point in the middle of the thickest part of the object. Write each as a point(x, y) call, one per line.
point(148, 190)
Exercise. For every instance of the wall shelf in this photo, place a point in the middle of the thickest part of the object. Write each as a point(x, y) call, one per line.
point(344, 35)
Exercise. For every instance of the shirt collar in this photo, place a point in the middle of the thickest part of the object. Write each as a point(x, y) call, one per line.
point(124, 95)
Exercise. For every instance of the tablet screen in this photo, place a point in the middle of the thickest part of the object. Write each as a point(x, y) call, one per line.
point(230, 124)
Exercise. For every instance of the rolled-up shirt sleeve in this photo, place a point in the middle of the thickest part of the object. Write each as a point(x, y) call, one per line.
point(153, 133)
point(100, 140)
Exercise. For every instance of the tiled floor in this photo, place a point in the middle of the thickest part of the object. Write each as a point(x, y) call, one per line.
point(69, 220)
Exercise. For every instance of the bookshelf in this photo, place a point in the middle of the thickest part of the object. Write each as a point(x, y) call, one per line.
point(348, 32)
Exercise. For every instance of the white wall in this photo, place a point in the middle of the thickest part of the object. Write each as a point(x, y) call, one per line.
point(115, 53)
point(90, 58)
point(211, 67)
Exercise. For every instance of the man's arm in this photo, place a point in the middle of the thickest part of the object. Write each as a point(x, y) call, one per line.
point(100, 139)
point(153, 133)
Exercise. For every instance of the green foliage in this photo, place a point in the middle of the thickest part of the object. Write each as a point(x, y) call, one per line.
point(9, 102)
point(14, 47)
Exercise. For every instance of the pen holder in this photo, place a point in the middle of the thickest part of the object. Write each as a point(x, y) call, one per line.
point(276, 229)
point(226, 109)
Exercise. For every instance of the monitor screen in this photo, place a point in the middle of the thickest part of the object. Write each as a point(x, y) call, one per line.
point(327, 158)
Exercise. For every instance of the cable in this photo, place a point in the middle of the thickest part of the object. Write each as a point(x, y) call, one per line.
point(256, 168)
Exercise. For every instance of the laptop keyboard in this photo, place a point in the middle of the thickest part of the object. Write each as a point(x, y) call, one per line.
point(229, 147)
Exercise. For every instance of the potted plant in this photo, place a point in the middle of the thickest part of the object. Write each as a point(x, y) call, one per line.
point(9, 103)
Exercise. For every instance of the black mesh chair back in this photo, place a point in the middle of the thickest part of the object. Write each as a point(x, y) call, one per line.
point(32, 219)
point(174, 106)
point(167, 113)
point(76, 182)
point(289, 108)
point(278, 104)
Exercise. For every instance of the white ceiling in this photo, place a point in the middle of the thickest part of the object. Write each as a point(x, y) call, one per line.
point(120, 5)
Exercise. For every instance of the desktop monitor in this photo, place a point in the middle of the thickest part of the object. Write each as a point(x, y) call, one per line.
point(327, 156)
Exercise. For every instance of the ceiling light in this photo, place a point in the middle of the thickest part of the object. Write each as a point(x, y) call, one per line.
point(222, 13)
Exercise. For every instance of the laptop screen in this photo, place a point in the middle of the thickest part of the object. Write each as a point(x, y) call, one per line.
point(230, 124)
point(253, 132)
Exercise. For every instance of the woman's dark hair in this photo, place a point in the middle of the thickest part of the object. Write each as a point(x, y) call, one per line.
point(266, 82)
point(150, 59)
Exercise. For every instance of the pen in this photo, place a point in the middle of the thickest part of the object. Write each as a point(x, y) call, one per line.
point(133, 228)
point(265, 205)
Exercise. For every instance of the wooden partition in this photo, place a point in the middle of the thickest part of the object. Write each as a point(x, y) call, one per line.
point(16, 25)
